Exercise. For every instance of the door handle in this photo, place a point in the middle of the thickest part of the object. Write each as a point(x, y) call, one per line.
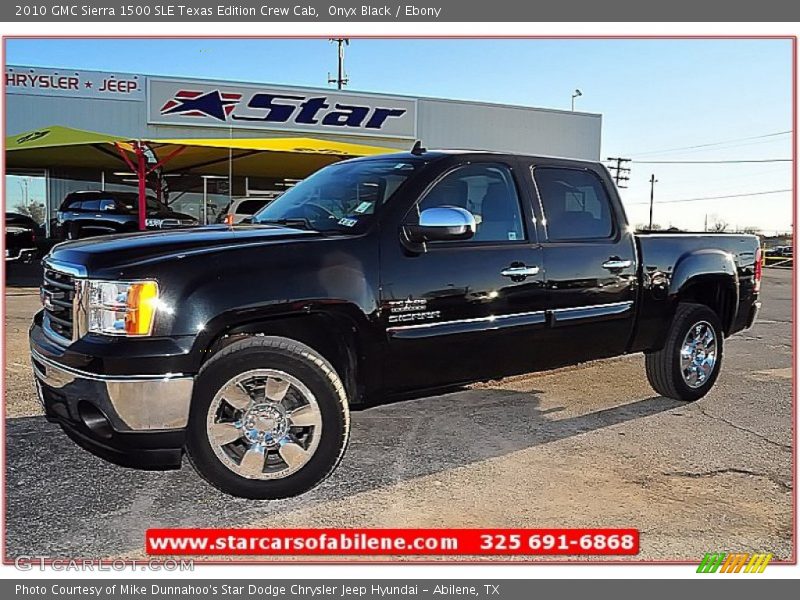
point(616, 263)
point(520, 271)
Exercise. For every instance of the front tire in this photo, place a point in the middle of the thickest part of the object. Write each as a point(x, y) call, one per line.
point(269, 419)
point(73, 231)
point(689, 363)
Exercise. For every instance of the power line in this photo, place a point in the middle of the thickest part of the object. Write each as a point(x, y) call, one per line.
point(743, 139)
point(712, 162)
point(718, 197)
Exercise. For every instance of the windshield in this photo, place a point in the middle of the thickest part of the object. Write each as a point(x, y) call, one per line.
point(340, 198)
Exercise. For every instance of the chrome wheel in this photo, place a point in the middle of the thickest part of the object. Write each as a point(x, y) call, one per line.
point(264, 424)
point(698, 354)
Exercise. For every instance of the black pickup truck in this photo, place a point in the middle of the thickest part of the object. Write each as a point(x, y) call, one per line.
point(375, 278)
point(20, 238)
point(87, 213)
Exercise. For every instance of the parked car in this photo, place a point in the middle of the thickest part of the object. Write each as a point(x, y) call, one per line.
point(376, 278)
point(779, 252)
point(20, 237)
point(89, 213)
point(242, 208)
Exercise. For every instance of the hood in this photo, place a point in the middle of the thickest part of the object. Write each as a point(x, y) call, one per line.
point(125, 250)
point(170, 214)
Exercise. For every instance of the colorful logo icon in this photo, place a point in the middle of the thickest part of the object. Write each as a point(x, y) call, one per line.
point(197, 104)
point(744, 562)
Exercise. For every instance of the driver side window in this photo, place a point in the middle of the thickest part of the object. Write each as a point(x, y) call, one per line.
point(489, 193)
point(108, 205)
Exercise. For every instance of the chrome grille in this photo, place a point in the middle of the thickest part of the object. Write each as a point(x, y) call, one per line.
point(58, 295)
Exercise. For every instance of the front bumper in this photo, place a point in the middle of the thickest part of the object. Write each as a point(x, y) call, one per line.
point(134, 421)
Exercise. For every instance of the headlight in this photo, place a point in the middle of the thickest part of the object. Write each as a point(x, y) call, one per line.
point(121, 308)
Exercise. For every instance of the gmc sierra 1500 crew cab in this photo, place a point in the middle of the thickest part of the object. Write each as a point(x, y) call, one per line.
point(375, 278)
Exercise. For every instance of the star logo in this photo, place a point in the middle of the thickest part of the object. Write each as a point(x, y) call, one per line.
point(192, 103)
point(33, 136)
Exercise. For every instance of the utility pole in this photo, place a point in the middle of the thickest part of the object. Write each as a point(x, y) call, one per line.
point(621, 173)
point(653, 182)
point(341, 79)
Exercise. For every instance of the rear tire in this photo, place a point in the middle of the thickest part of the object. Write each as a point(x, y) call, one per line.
point(269, 419)
point(690, 361)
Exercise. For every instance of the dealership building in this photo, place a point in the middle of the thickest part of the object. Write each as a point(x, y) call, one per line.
point(70, 130)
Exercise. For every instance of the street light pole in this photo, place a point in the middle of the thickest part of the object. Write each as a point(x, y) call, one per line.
point(653, 182)
point(577, 94)
point(342, 79)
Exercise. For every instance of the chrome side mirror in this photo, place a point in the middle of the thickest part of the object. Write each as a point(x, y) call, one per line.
point(442, 223)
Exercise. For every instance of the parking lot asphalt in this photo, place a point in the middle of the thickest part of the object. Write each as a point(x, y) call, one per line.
point(588, 446)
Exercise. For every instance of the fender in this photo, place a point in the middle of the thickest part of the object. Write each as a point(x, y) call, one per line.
point(337, 327)
point(702, 264)
point(238, 318)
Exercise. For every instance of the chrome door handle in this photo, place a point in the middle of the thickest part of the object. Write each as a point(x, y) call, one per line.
point(617, 264)
point(521, 271)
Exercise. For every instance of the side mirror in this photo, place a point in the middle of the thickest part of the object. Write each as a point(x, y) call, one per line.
point(442, 223)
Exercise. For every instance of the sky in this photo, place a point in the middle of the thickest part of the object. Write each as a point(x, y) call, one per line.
point(661, 100)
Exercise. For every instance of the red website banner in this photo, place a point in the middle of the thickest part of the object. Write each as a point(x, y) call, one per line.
point(391, 542)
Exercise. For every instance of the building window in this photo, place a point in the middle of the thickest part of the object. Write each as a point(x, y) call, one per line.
point(26, 193)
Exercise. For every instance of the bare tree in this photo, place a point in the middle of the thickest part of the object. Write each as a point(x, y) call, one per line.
point(35, 210)
point(646, 227)
point(718, 225)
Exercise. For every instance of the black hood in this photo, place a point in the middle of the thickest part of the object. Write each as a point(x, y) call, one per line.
point(170, 214)
point(125, 250)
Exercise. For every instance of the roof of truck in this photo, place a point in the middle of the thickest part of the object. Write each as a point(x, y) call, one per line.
point(436, 154)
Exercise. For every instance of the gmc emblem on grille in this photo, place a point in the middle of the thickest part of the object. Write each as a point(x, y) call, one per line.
point(47, 298)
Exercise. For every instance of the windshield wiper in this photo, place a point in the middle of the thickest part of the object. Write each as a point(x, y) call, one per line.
point(300, 222)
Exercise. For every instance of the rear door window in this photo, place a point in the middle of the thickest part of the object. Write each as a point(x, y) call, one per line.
point(575, 204)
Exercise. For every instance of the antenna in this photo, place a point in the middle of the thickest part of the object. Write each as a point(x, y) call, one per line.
point(418, 150)
point(342, 79)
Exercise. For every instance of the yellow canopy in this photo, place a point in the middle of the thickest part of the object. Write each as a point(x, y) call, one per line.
point(57, 146)
point(265, 157)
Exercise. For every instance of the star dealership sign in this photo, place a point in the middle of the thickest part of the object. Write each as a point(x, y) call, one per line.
point(184, 102)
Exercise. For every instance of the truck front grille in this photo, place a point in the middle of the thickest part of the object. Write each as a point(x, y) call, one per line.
point(58, 295)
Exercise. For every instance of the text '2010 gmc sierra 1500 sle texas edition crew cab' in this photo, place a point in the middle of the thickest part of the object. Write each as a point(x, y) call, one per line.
point(246, 346)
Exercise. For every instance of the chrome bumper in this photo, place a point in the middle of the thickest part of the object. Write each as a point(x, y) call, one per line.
point(131, 403)
point(24, 255)
point(753, 314)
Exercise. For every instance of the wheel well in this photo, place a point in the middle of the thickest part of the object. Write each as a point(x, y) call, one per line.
point(718, 293)
point(331, 335)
